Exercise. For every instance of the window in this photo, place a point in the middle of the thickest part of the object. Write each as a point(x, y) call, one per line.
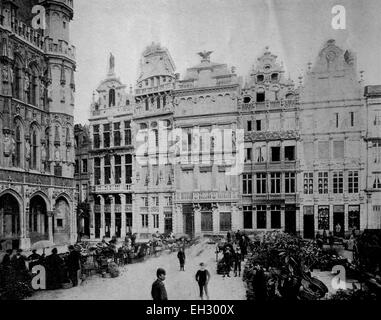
point(76, 167)
point(117, 134)
point(261, 183)
point(338, 182)
point(376, 152)
point(97, 171)
point(146, 104)
point(289, 153)
point(323, 182)
point(34, 151)
point(246, 99)
point(275, 154)
point(128, 198)
point(261, 154)
point(155, 201)
point(261, 217)
point(259, 125)
point(107, 168)
point(336, 120)
point(247, 184)
point(249, 125)
point(247, 217)
point(164, 101)
point(59, 223)
point(155, 220)
point(111, 98)
point(323, 217)
point(118, 169)
point(127, 133)
point(353, 181)
point(168, 200)
point(18, 146)
point(275, 217)
point(96, 137)
point(260, 78)
point(376, 182)
point(84, 165)
point(323, 150)
point(248, 152)
point(308, 183)
point(128, 168)
point(206, 221)
point(260, 96)
point(289, 182)
point(144, 220)
point(377, 118)
point(352, 119)
point(145, 201)
point(275, 180)
point(106, 135)
point(158, 102)
point(274, 77)
point(225, 221)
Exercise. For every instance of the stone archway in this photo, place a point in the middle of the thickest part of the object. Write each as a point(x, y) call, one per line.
point(10, 228)
point(38, 219)
point(61, 221)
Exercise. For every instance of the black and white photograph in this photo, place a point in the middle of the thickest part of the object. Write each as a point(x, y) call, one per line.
point(175, 150)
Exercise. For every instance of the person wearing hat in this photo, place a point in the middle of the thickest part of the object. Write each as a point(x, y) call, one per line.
point(73, 265)
point(158, 291)
point(7, 258)
point(202, 278)
point(54, 270)
point(33, 259)
point(18, 262)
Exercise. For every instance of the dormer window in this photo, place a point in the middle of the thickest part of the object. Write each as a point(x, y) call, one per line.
point(267, 67)
point(260, 78)
point(274, 77)
point(111, 97)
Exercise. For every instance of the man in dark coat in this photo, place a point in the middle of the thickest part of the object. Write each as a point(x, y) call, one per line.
point(18, 264)
point(243, 246)
point(34, 259)
point(54, 266)
point(158, 291)
point(227, 261)
point(202, 278)
point(7, 258)
point(73, 265)
point(181, 257)
point(237, 262)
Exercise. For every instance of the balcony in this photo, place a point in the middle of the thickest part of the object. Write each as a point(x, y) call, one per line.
point(159, 88)
point(109, 188)
point(60, 48)
point(27, 33)
point(268, 105)
point(205, 196)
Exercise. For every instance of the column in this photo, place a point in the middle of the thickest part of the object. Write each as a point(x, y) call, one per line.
point(216, 225)
point(112, 164)
point(254, 216)
point(50, 225)
point(121, 128)
point(123, 164)
point(112, 206)
point(346, 222)
point(102, 228)
point(299, 220)
point(331, 226)
point(101, 144)
point(123, 215)
point(92, 219)
point(102, 171)
point(197, 219)
point(282, 217)
point(268, 217)
point(316, 218)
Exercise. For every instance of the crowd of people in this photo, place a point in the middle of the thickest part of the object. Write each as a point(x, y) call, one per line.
point(59, 269)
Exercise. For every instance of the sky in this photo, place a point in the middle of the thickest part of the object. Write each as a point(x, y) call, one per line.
point(237, 31)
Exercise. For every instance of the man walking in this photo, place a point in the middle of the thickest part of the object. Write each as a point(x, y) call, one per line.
point(237, 262)
point(158, 291)
point(73, 265)
point(227, 262)
point(202, 278)
point(181, 257)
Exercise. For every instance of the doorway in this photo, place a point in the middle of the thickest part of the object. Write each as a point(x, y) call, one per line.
point(188, 217)
point(290, 220)
point(338, 221)
point(309, 222)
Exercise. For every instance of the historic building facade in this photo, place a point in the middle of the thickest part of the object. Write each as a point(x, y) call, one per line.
point(111, 158)
point(82, 178)
point(269, 113)
point(333, 150)
point(205, 115)
point(153, 185)
point(36, 126)
point(373, 164)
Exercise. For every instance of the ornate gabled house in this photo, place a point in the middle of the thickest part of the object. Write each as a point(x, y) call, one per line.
point(153, 183)
point(333, 152)
point(269, 114)
point(36, 125)
point(111, 158)
point(205, 113)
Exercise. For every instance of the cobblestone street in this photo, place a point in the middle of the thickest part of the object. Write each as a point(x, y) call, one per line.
point(135, 280)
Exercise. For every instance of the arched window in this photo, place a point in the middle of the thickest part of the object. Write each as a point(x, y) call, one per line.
point(18, 147)
point(34, 150)
point(111, 98)
point(16, 85)
point(158, 102)
point(33, 87)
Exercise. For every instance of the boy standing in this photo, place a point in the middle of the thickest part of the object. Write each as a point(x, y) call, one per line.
point(202, 277)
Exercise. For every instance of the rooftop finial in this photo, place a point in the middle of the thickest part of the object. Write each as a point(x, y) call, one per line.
point(205, 55)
